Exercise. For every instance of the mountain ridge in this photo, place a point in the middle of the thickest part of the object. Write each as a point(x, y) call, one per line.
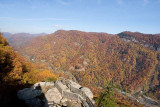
point(19, 39)
point(151, 41)
point(78, 43)
point(97, 60)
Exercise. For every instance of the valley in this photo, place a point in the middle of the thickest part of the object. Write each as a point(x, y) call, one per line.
point(128, 61)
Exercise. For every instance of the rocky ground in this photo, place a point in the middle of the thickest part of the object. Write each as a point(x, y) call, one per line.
point(45, 94)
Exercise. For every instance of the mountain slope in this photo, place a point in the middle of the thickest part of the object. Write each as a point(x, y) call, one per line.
point(19, 39)
point(97, 59)
point(147, 40)
point(17, 73)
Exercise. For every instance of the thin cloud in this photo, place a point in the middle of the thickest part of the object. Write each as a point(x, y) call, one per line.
point(58, 26)
point(42, 19)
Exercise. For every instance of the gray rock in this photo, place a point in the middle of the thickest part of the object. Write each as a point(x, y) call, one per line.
point(45, 94)
point(53, 95)
point(88, 92)
point(74, 84)
point(36, 102)
point(43, 84)
point(64, 101)
point(28, 93)
point(73, 104)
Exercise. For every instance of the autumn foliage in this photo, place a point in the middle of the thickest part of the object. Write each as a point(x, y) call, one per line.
point(148, 40)
point(16, 69)
point(97, 59)
point(112, 98)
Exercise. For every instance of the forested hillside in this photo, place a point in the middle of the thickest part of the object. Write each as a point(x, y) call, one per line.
point(14, 67)
point(20, 39)
point(17, 73)
point(98, 59)
point(147, 40)
point(151, 42)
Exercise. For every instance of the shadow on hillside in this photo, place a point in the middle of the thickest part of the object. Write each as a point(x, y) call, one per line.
point(42, 101)
point(8, 95)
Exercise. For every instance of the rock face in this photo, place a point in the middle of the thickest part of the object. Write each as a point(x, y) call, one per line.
point(53, 95)
point(43, 84)
point(74, 84)
point(28, 93)
point(30, 96)
point(88, 92)
point(49, 94)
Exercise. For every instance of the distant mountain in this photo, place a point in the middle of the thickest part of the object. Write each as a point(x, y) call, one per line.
point(7, 34)
point(20, 39)
point(158, 34)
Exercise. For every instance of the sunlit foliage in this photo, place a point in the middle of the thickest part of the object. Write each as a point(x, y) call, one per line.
point(97, 59)
point(112, 98)
point(16, 69)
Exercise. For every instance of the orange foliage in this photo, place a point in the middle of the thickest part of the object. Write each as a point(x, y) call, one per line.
point(96, 59)
point(36, 76)
point(16, 69)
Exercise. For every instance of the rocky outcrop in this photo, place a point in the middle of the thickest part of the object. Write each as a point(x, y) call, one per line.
point(88, 92)
point(28, 93)
point(30, 96)
point(44, 86)
point(62, 93)
point(53, 95)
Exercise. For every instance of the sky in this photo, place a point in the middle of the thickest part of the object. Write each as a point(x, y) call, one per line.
point(110, 16)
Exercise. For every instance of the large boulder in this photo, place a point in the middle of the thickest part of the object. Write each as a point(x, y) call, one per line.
point(35, 96)
point(74, 104)
point(53, 95)
point(45, 94)
point(43, 84)
point(36, 102)
point(64, 101)
point(87, 91)
point(28, 93)
point(32, 97)
point(75, 85)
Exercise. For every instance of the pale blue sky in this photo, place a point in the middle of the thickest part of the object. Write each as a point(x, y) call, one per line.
point(111, 16)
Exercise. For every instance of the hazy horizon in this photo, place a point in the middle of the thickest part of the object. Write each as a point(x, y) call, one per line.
point(74, 30)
